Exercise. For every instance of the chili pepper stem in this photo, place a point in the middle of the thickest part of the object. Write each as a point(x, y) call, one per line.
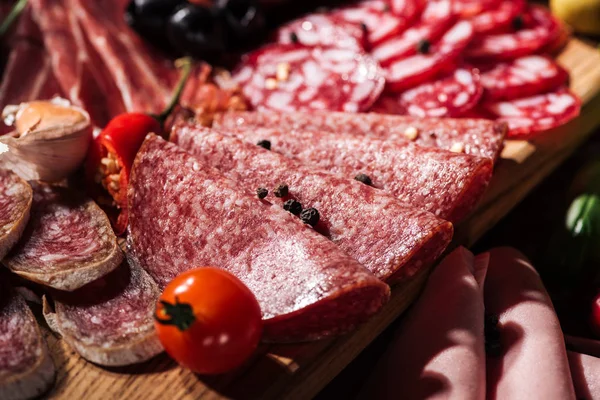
point(12, 16)
point(185, 64)
point(181, 315)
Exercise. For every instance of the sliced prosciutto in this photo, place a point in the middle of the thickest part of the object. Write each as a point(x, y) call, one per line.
point(499, 18)
point(531, 115)
point(412, 71)
point(184, 214)
point(296, 78)
point(450, 96)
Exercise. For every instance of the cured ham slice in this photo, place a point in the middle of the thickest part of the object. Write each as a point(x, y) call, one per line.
point(68, 243)
point(184, 214)
point(476, 136)
point(15, 204)
point(392, 240)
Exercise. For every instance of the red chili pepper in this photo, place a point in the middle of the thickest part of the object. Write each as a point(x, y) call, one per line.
point(112, 153)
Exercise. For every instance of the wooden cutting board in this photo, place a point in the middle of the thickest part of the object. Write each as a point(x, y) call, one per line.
point(300, 371)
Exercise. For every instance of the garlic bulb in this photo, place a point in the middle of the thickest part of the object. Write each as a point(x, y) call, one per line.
point(50, 140)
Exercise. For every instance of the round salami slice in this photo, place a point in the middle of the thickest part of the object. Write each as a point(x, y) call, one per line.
point(322, 30)
point(499, 18)
point(469, 8)
point(295, 77)
point(523, 77)
point(376, 16)
point(535, 114)
point(435, 20)
point(412, 71)
point(540, 28)
point(450, 96)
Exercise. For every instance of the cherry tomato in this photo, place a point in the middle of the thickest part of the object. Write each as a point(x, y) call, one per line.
point(208, 320)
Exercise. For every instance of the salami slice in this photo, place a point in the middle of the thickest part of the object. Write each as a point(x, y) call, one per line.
point(408, 238)
point(323, 30)
point(408, 10)
point(68, 242)
point(540, 29)
point(523, 77)
point(469, 8)
point(412, 71)
point(448, 184)
point(184, 214)
point(476, 136)
point(295, 77)
point(26, 369)
point(15, 203)
point(109, 321)
point(531, 115)
point(451, 96)
point(435, 20)
point(499, 18)
point(381, 24)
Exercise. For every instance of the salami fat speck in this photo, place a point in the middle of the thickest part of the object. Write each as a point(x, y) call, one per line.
point(540, 28)
point(476, 136)
point(68, 242)
point(499, 18)
point(15, 203)
point(393, 240)
point(323, 30)
point(295, 77)
point(184, 215)
point(110, 321)
point(448, 184)
point(412, 71)
point(450, 96)
point(523, 77)
point(26, 369)
point(435, 20)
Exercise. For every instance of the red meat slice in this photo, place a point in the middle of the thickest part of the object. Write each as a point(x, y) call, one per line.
point(499, 18)
point(531, 115)
point(315, 78)
point(523, 77)
point(15, 204)
point(184, 215)
point(451, 96)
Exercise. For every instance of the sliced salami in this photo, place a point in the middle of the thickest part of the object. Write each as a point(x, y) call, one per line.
point(531, 115)
point(448, 184)
point(475, 136)
point(323, 30)
point(435, 20)
point(499, 18)
point(408, 10)
point(68, 242)
point(15, 203)
point(381, 24)
point(110, 321)
point(184, 214)
point(469, 8)
point(295, 77)
point(540, 28)
point(26, 368)
point(450, 96)
point(523, 77)
point(409, 238)
point(412, 71)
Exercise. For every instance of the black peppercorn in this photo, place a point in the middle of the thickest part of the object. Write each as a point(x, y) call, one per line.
point(293, 206)
point(294, 37)
point(282, 190)
point(264, 144)
point(517, 23)
point(364, 179)
point(310, 216)
point(423, 46)
point(364, 27)
point(262, 193)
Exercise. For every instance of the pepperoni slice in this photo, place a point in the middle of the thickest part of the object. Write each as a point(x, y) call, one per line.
point(540, 29)
point(535, 114)
point(295, 77)
point(412, 71)
point(523, 77)
point(498, 18)
point(469, 8)
point(451, 96)
point(376, 16)
point(322, 30)
point(435, 20)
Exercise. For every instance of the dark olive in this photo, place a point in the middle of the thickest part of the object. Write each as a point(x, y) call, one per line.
point(194, 30)
point(245, 22)
point(149, 18)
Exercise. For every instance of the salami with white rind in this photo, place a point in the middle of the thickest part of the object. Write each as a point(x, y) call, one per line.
point(498, 18)
point(15, 204)
point(110, 321)
point(26, 368)
point(407, 238)
point(536, 114)
point(68, 242)
point(523, 77)
point(294, 77)
point(184, 214)
point(450, 96)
